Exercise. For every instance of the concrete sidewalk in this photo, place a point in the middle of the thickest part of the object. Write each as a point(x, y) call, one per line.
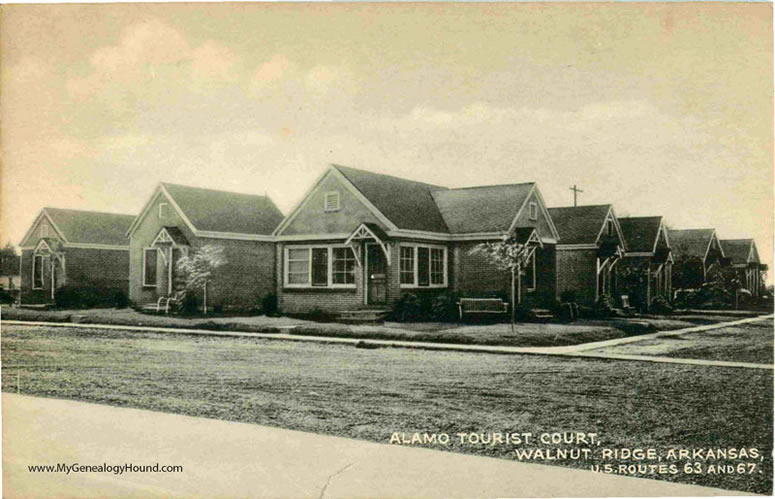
point(224, 459)
point(582, 350)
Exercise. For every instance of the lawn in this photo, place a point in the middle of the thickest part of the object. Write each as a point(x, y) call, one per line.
point(369, 394)
point(524, 334)
point(751, 342)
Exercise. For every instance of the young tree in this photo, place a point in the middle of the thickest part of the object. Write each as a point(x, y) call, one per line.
point(198, 269)
point(510, 255)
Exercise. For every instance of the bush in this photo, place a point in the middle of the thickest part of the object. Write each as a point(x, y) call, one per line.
point(659, 305)
point(269, 304)
point(425, 307)
point(6, 297)
point(120, 299)
point(189, 305)
point(568, 296)
point(604, 306)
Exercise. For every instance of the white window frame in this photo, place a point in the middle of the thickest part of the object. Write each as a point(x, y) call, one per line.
point(163, 207)
point(145, 283)
point(332, 195)
point(533, 259)
point(331, 271)
point(532, 211)
point(415, 284)
point(308, 284)
point(42, 272)
point(413, 252)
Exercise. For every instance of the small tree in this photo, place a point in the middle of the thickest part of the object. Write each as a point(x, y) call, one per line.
point(198, 269)
point(507, 254)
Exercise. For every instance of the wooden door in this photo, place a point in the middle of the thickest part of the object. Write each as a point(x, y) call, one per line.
point(376, 275)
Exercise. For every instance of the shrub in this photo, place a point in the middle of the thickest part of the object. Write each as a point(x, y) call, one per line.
point(659, 305)
point(269, 304)
point(6, 297)
point(89, 297)
point(189, 304)
point(120, 299)
point(568, 296)
point(425, 307)
point(604, 306)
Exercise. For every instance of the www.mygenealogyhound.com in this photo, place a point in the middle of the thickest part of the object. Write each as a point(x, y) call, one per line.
point(119, 469)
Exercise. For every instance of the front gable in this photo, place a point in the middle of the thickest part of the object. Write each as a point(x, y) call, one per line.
point(331, 208)
point(754, 255)
point(42, 228)
point(617, 230)
point(533, 213)
point(158, 213)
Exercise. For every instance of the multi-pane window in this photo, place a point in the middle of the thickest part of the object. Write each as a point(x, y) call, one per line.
point(437, 266)
point(321, 266)
point(407, 265)
point(298, 266)
point(37, 271)
point(423, 266)
point(149, 266)
point(344, 266)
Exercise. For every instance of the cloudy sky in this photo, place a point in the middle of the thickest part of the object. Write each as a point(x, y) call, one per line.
point(660, 109)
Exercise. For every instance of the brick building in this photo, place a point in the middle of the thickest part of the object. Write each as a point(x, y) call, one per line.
point(646, 269)
point(591, 246)
point(178, 220)
point(79, 249)
point(743, 257)
point(696, 252)
point(360, 239)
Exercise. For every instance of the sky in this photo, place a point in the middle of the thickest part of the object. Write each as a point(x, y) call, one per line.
point(659, 109)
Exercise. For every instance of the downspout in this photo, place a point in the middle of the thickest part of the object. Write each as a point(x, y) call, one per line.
point(21, 277)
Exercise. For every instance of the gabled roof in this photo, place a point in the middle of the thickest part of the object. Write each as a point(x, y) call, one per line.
point(692, 242)
point(580, 224)
point(222, 211)
point(739, 250)
point(406, 203)
point(212, 213)
point(88, 227)
point(640, 233)
point(482, 209)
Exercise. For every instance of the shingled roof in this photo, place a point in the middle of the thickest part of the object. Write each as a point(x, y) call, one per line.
point(406, 203)
point(691, 242)
point(640, 233)
point(737, 250)
point(579, 224)
point(481, 209)
point(222, 211)
point(91, 227)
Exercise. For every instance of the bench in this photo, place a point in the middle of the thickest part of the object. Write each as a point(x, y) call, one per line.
point(482, 306)
point(165, 302)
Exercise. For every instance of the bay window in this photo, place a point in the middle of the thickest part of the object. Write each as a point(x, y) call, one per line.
point(423, 266)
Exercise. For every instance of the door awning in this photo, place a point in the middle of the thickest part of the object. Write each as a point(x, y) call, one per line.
point(527, 236)
point(49, 246)
point(367, 232)
point(169, 235)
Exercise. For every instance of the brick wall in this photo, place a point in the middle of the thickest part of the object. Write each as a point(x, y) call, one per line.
point(577, 272)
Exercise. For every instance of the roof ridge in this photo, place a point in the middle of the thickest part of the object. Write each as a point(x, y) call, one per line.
point(215, 190)
point(439, 187)
point(490, 186)
point(582, 206)
point(92, 212)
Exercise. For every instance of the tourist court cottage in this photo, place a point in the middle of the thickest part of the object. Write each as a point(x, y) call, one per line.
point(360, 239)
point(591, 245)
point(743, 257)
point(701, 251)
point(78, 249)
point(178, 220)
point(646, 270)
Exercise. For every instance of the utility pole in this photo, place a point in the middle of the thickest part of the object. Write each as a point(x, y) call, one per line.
point(575, 190)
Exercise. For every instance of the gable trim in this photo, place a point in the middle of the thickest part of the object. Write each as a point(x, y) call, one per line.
point(347, 185)
point(611, 215)
point(656, 240)
point(710, 245)
point(41, 215)
point(544, 210)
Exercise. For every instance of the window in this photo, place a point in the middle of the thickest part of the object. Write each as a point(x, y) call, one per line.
point(609, 228)
point(533, 211)
point(344, 266)
point(163, 210)
point(331, 201)
point(37, 271)
point(298, 266)
point(530, 273)
point(423, 266)
point(437, 266)
point(320, 266)
point(149, 267)
point(407, 265)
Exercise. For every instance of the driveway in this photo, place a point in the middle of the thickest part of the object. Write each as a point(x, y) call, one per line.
point(225, 459)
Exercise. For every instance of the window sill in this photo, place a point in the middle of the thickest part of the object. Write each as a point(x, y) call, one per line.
point(432, 286)
point(320, 289)
point(150, 286)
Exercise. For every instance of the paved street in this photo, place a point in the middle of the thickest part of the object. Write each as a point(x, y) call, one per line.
point(241, 460)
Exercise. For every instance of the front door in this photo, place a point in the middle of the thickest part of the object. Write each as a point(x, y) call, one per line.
point(376, 275)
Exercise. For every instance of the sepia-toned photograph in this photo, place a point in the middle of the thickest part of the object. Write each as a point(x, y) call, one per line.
point(444, 249)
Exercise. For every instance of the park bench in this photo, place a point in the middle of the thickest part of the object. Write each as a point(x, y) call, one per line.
point(482, 306)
